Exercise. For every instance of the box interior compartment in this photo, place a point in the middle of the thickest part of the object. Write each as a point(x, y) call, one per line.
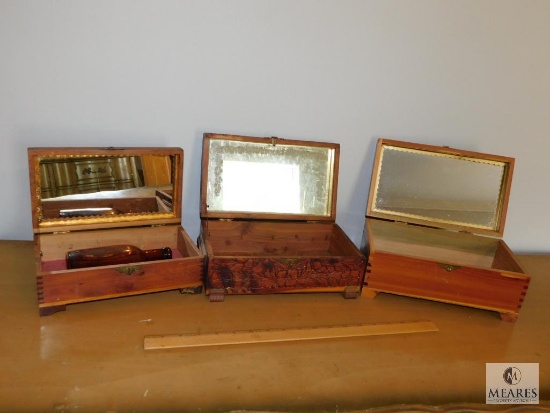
point(54, 246)
point(260, 238)
point(440, 245)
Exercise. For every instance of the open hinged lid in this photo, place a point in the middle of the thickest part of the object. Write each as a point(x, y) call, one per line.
point(440, 187)
point(268, 178)
point(92, 188)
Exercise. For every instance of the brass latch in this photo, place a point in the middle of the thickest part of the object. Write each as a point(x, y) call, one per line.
point(449, 267)
point(130, 269)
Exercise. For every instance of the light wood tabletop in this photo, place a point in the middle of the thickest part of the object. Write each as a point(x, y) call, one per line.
point(91, 358)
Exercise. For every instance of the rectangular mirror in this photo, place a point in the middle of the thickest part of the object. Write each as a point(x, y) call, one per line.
point(268, 176)
point(80, 187)
point(438, 186)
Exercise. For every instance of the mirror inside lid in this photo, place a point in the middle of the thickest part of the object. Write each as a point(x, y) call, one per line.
point(89, 188)
point(268, 178)
point(440, 187)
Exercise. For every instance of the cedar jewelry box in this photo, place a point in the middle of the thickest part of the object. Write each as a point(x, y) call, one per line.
point(435, 218)
point(89, 197)
point(268, 209)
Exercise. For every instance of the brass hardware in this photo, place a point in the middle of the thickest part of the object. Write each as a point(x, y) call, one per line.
point(449, 267)
point(291, 262)
point(130, 269)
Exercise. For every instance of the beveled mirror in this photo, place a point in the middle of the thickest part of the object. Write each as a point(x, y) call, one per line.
point(268, 176)
point(87, 186)
point(439, 186)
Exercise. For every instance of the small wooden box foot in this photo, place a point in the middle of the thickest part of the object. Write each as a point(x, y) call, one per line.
point(216, 295)
point(352, 291)
point(509, 317)
point(46, 311)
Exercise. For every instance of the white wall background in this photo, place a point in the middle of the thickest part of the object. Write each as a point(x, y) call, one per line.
point(472, 74)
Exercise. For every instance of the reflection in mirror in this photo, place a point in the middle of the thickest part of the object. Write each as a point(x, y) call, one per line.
point(104, 186)
point(439, 187)
point(259, 177)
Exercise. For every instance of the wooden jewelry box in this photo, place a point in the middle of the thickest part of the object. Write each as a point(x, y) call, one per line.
point(85, 198)
point(435, 216)
point(268, 210)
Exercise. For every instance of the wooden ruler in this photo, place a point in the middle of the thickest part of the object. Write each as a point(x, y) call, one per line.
point(168, 341)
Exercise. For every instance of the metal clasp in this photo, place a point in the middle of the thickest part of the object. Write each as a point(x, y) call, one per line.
point(449, 267)
point(130, 269)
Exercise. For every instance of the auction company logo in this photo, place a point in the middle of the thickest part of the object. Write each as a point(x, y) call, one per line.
point(512, 375)
point(512, 383)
